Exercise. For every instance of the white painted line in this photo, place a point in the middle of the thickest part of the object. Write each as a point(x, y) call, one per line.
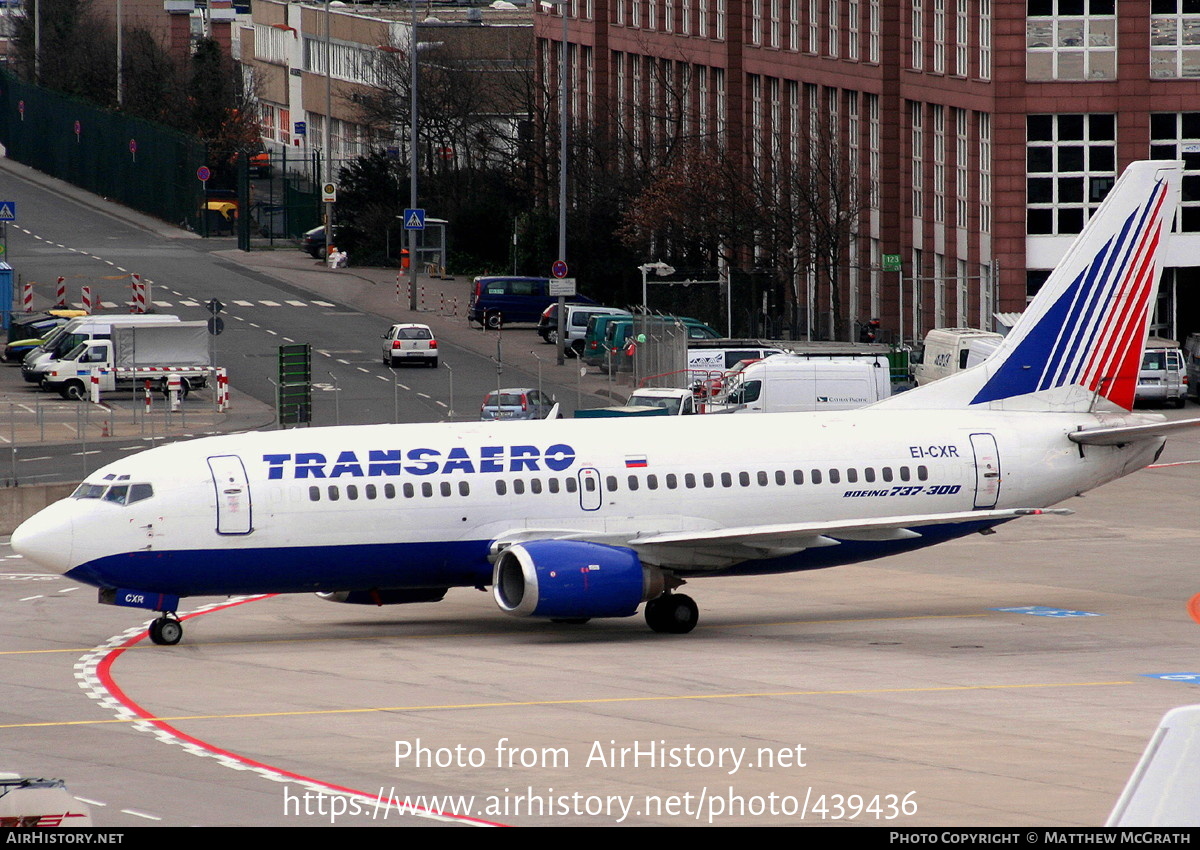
point(346, 362)
point(189, 303)
point(269, 303)
point(401, 386)
point(440, 403)
point(31, 598)
point(298, 303)
point(109, 305)
point(244, 303)
point(139, 814)
point(324, 303)
point(382, 377)
point(161, 303)
point(68, 590)
point(422, 395)
point(91, 802)
point(287, 339)
point(254, 325)
point(271, 332)
point(32, 459)
point(361, 369)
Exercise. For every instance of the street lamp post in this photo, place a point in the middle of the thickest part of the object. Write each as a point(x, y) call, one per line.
point(562, 5)
point(413, 52)
point(659, 268)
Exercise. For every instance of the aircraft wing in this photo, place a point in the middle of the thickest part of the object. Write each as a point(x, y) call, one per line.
point(720, 547)
point(1122, 434)
point(1165, 785)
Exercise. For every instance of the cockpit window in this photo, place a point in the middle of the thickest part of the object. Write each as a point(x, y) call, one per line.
point(120, 494)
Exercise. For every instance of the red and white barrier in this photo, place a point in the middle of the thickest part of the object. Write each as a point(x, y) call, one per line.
point(222, 390)
point(62, 293)
point(139, 293)
point(27, 296)
point(87, 299)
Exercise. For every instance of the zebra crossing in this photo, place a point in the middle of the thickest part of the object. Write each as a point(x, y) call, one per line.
point(187, 302)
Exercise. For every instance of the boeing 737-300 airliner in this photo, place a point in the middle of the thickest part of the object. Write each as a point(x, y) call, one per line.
point(576, 519)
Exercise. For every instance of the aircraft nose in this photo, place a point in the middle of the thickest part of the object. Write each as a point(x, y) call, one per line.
point(46, 537)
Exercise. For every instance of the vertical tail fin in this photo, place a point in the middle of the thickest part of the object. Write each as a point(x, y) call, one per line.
point(1084, 333)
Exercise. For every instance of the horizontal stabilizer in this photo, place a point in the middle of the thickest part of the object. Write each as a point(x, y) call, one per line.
point(1123, 434)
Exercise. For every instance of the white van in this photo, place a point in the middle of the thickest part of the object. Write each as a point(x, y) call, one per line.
point(787, 384)
point(950, 350)
point(82, 329)
point(1163, 377)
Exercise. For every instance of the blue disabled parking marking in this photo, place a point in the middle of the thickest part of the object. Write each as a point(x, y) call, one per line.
point(1183, 678)
point(1043, 611)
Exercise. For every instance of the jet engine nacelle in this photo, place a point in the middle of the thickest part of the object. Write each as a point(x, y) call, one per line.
point(385, 596)
point(571, 579)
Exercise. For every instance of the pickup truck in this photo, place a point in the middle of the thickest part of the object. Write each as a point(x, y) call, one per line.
point(650, 401)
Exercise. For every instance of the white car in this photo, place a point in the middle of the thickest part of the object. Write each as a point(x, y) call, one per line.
point(410, 342)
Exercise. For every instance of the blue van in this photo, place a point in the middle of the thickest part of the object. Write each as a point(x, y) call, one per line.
point(498, 300)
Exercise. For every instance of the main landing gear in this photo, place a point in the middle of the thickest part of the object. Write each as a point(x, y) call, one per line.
point(672, 613)
point(166, 630)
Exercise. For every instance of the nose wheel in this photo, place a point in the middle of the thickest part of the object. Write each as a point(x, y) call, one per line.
point(166, 631)
point(672, 613)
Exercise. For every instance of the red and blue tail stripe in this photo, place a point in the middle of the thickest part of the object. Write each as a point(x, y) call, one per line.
point(1094, 331)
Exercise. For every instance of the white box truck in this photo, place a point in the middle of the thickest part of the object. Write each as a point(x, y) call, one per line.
point(131, 355)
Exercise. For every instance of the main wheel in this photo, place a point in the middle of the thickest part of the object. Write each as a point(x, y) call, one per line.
point(552, 336)
point(673, 614)
point(166, 631)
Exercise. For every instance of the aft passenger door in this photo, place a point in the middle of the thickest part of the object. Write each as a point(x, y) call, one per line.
point(987, 470)
point(233, 494)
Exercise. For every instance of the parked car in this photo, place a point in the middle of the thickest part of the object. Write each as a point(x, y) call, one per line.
point(313, 241)
point(516, 403)
point(575, 323)
point(411, 343)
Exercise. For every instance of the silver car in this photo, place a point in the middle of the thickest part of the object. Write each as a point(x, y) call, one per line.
point(516, 403)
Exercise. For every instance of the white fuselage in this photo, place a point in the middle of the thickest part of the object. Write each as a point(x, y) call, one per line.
point(423, 505)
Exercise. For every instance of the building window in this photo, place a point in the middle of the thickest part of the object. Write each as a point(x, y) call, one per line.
point(985, 39)
point(1174, 38)
point(918, 35)
point(918, 159)
point(853, 24)
point(873, 33)
point(1071, 40)
point(1177, 136)
point(985, 172)
point(834, 22)
point(1070, 165)
point(939, 36)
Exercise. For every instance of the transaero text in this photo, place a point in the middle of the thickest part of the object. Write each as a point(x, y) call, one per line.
point(371, 463)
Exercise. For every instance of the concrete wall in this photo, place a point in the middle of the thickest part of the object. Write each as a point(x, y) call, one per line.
point(17, 504)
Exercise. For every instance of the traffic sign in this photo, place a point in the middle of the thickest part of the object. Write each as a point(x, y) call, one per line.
point(564, 286)
point(8, 210)
point(301, 128)
point(414, 219)
point(329, 193)
point(891, 262)
point(559, 269)
point(202, 173)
